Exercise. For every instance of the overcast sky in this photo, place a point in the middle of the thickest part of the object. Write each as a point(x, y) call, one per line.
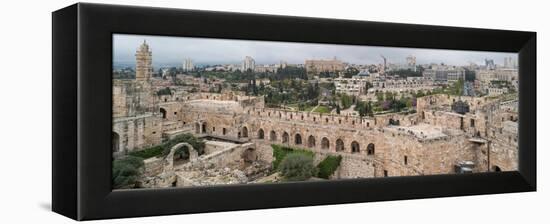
point(173, 50)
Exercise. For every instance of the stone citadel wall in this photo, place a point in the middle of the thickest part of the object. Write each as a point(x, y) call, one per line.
point(369, 146)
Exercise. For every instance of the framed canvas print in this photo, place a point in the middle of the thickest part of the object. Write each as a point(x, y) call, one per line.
point(167, 111)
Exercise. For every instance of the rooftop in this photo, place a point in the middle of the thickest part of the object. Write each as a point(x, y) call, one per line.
point(420, 131)
point(214, 105)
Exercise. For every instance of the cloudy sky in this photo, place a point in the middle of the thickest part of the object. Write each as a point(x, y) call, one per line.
point(173, 50)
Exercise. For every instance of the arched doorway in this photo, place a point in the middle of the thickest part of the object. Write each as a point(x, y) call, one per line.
point(285, 137)
point(197, 128)
point(496, 169)
point(273, 136)
point(311, 141)
point(261, 134)
point(297, 139)
point(245, 132)
point(370, 149)
point(203, 127)
point(339, 145)
point(325, 144)
point(181, 154)
point(355, 147)
point(115, 138)
point(163, 112)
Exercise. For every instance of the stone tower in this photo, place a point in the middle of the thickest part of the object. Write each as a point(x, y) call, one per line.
point(144, 67)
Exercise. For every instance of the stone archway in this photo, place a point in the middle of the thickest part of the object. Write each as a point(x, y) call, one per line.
point(115, 141)
point(261, 134)
point(197, 128)
point(298, 139)
point(496, 169)
point(245, 132)
point(273, 136)
point(163, 112)
point(355, 147)
point(325, 143)
point(339, 145)
point(285, 137)
point(370, 149)
point(311, 141)
point(169, 159)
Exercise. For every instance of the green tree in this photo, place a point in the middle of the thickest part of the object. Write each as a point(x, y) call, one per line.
point(126, 171)
point(350, 72)
point(346, 101)
point(328, 166)
point(297, 167)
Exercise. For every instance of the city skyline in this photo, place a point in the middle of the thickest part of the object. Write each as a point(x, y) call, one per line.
point(173, 51)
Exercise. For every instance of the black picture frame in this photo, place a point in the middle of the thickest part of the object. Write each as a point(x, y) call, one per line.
point(82, 110)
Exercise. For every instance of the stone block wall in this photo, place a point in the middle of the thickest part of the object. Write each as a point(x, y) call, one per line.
point(136, 133)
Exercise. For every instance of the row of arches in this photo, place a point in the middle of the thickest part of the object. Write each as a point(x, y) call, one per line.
point(312, 143)
point(298, 139)
point(201, 128)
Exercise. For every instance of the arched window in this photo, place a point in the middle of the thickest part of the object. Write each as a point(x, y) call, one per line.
point(163, 112)
point(370, 149)
point(273, 136)
point(339, 145)
point(261, 134)
point(311, 141)
point(297, 139)
point(204, 127)
point(115, 138)
point(325, 144)
point(285, 137)
point(245, 132)
point(355, 147)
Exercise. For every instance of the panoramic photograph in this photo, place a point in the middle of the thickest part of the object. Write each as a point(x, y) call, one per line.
point(191, 112)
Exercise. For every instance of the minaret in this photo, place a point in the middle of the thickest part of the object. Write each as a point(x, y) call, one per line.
point(144, 67)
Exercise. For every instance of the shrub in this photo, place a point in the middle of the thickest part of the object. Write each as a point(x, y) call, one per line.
point(280, 152)
point(328, 166)
point(198, 144)
point(126, 171)
point(297, 167)
point(148, 152)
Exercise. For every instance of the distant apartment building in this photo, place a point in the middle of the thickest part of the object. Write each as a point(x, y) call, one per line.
point(498, 74)
point(402, 85)
point(263, 81)
point(411, 62)
point(248, 64)
point(315, 67)
point(267, 68)
point(490, 64)
point(486, 78)
point(351, 86)
point(188, 65)
point(495, 91)
point(444, 74)
point(509, 62)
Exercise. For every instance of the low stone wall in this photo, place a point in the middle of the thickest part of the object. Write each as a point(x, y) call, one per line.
point(354, 167)
point(153, 166)
point(215, 146)
point(225, 156)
